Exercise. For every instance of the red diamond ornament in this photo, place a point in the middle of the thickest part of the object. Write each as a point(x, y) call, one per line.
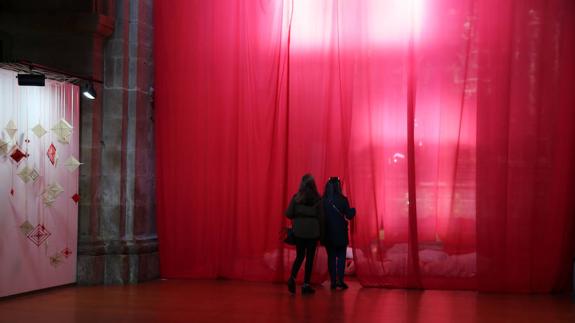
point(17, 155)
point(39, 235)
point(52, 154)
point(66, 252)
point(76, 197)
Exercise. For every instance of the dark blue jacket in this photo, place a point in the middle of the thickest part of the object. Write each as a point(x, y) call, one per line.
point(337, 213)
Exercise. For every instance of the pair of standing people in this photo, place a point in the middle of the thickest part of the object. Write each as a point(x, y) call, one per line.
point(315, 218)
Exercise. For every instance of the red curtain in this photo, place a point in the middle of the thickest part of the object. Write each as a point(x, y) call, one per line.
point(449, 122)
point(525, 145)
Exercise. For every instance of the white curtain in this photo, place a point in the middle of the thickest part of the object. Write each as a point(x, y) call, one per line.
point(38, 201)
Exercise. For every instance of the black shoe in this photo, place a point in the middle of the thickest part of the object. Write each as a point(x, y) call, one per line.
point(333, 286)
point(291, 285)
point(342, 285)
point(307, 289)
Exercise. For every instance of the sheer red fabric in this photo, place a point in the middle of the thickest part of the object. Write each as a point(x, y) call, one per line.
point(525, 145)
point(449, 122)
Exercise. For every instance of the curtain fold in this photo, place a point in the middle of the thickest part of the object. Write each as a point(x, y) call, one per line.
point(448, 121)
point(525, 145)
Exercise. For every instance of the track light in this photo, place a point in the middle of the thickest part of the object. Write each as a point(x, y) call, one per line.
point(31, 79)
point(88, 91)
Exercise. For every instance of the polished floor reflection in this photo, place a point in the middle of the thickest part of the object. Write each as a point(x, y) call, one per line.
point(233, 301)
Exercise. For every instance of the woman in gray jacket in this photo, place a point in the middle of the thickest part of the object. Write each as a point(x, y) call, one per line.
point(306, 212)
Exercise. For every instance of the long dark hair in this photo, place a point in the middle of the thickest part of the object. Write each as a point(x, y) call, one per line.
point(307, 193)
point(332, 188)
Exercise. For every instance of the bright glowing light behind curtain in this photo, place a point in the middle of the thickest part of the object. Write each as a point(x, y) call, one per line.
point(269, 96)
point(387, 23)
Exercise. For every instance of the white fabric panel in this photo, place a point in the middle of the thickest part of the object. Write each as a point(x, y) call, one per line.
point(24, 266)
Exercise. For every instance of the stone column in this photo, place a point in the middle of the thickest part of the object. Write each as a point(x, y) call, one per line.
point(117, 234)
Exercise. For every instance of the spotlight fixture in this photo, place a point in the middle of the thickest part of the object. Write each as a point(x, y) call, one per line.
point(88, 91)
point(31, 79)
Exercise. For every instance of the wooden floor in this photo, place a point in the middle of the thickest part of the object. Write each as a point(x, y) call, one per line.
point(232, 301)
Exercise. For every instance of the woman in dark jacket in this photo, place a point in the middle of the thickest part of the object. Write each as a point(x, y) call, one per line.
point(337, 214)
point(305, 211)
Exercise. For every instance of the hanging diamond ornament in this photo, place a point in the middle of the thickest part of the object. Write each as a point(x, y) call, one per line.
point(63, 130)
point(23, 174)
point(56, 259)
point(17, 154)
point(33, 174)
point(51, 193)
point(39, 131)
point(11, 128)
point(39, 235)
point(52, 154)
point(66, 252)
point(72, 163)
point(27, 174)
point(3, 147)
point(48, 199)
point(55, 189)
point(26, 227)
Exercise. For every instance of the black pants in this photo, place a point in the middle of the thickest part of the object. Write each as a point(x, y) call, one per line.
point(336, 262)
point(305, 248)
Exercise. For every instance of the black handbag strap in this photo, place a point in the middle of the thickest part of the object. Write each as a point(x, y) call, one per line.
point(337, 210)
